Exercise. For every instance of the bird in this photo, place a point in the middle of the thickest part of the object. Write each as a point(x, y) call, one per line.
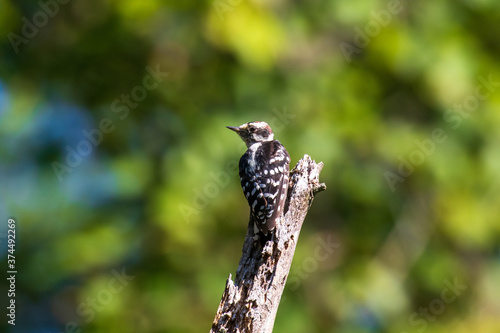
point(264, 173)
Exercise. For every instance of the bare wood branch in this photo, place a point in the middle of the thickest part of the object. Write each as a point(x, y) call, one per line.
point(250, 303)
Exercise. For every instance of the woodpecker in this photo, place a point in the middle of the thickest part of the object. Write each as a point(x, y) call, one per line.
point(263, 173)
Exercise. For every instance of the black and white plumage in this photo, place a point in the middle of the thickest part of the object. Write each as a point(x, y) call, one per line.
point(264, 170)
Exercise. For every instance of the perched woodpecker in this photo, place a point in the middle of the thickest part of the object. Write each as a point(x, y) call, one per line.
point(263, 173)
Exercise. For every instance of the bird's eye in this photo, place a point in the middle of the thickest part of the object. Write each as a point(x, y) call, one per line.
point(252, 129)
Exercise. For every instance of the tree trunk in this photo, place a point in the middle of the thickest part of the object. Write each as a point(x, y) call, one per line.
point(249, 304)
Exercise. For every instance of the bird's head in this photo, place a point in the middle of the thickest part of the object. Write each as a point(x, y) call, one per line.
point(257, 131)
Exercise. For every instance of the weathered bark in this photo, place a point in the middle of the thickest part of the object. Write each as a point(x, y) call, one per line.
point(250, 303)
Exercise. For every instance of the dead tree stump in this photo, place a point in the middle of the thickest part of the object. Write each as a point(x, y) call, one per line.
point(250, 303)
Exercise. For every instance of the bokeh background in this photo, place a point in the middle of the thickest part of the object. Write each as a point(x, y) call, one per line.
point(117, 167)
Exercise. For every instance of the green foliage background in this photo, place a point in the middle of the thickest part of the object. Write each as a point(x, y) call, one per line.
point(350, 83)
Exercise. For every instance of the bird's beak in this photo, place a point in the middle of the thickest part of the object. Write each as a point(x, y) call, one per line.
point(234, 128)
